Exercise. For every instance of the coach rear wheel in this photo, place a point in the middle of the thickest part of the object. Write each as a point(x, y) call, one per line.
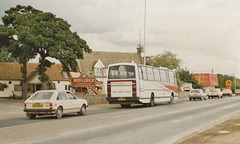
point(152, 103)
point(125, 105)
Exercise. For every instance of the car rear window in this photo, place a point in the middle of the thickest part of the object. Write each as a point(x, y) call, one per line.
point(42, 96)
point(195, 91)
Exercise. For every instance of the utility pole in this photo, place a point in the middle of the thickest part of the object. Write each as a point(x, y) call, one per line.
point(144, 40)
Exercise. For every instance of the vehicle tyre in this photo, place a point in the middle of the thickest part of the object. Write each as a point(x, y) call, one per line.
point(171, 99)
point(190, 99)
point(209, 97)
point(83, 110)
point(125, 105)
point(152, 103)
point(32, 116)
point(59, 113)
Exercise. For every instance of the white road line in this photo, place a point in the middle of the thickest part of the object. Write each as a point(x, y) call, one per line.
point(122, 116)
point(180, 120)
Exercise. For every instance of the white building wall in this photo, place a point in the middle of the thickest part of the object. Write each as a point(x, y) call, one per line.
point(60, 85)
point(10, 89)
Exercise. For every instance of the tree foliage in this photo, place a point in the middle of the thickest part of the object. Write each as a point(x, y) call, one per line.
point(167, 59)
point(185, 76)
point(31, 32)
point(223, 78)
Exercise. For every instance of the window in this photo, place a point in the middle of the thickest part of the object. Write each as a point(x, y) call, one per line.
point(42, 96)
point(171, 77)
point(17, 87)
point(150, 73)
point(144, 73)
point(163, 75)
point(156, 74)
point(70, 96)
point(167, 74)
point(62, 96)
point(121, 72)
point(100, 71)
point(140, 72)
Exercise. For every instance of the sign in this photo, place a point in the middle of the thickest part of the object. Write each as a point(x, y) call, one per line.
point(1, 87)
point(228, 83)
point(83, 82)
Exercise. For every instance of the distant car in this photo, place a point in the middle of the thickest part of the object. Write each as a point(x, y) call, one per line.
point(214, 93)
point(53, 102)
point(237, 91)
point(197, 94)
point(227, 92)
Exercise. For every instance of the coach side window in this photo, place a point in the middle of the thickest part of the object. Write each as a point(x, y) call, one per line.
point(144, 73)
point(140, 72)
point(163, 75)
point(156, 74)
point(150, 73)
point(167, 75)
point(171, 77)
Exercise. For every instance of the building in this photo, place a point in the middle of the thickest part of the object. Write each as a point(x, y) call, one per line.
point(209, 81)
point(11, 76)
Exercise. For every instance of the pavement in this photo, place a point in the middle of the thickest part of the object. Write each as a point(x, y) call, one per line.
point(226, 131)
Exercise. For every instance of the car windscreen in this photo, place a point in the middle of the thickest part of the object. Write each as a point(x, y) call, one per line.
point(212, 90)
point(194, 91)
point(121, 72)
point(42, 96)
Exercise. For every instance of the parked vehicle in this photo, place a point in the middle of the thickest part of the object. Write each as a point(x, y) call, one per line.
point(214, 93)
point(130, 83)
point(54, 102)
point(237, 91)
point(197, 94)
point(227, 92)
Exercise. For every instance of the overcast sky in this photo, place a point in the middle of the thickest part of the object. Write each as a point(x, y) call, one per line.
point(205, 34)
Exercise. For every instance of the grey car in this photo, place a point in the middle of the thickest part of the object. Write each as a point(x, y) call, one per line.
point(197, 94)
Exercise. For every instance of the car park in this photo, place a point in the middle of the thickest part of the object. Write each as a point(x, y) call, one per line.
point(55, 103)
point(214, 93)
point(197, 94)
point(237, 91)
point(227, 92)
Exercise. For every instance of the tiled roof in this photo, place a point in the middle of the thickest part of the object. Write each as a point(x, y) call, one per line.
point(11, 71)
point(107, 58)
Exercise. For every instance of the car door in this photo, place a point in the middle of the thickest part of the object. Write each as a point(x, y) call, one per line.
point(74, 103)
point(64, 102)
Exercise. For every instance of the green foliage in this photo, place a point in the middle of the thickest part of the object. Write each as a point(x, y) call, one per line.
point(185, 76)
point(5, 56)
point(167, 59)
point(223, 78)
point(31, 32)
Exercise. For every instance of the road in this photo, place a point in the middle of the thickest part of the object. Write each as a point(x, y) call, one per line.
point(162, 124)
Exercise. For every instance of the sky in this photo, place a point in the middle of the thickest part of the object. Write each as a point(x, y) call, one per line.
point(204, 34)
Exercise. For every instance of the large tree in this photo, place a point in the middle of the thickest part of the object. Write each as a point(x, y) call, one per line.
point(167, 59)
point(32, 32)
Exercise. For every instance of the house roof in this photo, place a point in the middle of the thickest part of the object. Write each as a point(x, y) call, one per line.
point(107, 58)
point(12, 71)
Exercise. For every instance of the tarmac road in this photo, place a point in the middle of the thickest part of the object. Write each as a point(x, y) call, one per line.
point(164, 123)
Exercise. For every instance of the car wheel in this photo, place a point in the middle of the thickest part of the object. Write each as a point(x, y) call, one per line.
point(32, 116)
point(190, 99)
point(83, 110)
point(59, 113)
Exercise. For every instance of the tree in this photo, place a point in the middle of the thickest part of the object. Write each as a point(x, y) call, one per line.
point(167, 59)
point(185, 76)
point(37, 32)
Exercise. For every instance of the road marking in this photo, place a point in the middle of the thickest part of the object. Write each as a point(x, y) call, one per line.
point(226, 107)
point(122, 116)
point(180, 120)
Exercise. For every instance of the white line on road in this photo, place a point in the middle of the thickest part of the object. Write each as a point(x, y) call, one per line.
point(180, 120)
point(122, 116)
